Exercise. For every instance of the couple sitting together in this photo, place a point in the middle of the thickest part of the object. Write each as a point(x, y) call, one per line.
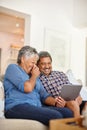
point(32, 89)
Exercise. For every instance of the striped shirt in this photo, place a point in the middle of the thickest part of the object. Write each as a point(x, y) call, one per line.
point(54, 82)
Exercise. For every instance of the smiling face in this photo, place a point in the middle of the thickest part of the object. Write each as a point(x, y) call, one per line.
point(28, 63)
point(45, 65)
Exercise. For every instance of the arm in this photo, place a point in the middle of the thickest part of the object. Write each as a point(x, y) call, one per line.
point(20, 79)
point(50, 101)
point(60, 102)
point(45, 97)
point(57, 102)
point(30, 84)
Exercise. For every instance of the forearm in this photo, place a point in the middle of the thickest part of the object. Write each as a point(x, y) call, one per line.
point(50, 101)
point(30, 84)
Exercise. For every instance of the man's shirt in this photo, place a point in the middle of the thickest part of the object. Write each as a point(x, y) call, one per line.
point(54, 82)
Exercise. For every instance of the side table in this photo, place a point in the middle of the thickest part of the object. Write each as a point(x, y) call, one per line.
point(67, 124)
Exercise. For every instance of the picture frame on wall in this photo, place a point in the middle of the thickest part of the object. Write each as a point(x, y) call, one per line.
point(58, 45)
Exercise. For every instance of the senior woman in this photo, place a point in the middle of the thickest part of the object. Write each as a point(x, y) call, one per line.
point(25, 96)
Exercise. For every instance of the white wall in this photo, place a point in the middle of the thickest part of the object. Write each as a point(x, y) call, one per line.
point(52, 14)
point(78, 55)
point(57, 15)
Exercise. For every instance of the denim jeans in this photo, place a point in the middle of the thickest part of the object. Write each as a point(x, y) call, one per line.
point(41, 114)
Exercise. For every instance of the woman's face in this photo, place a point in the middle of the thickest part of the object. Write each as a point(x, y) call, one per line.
point(28, 63)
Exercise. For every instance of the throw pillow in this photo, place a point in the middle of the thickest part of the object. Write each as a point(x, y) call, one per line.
point(72, 78)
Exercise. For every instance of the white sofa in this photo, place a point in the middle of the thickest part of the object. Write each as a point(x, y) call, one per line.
point(21, 124)
point(16, 124)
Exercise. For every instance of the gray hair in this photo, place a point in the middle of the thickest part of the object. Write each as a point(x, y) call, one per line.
point(43, 54)
point(26, 51)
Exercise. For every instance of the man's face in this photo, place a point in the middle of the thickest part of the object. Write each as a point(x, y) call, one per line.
point(45, 65)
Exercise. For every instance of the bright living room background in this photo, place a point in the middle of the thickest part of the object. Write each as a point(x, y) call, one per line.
point(66, 17)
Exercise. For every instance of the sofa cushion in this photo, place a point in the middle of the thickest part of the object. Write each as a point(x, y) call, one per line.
point(16, 124)
point(72, 78)
point(1, 100)
point(1, 77)
point(21, 124)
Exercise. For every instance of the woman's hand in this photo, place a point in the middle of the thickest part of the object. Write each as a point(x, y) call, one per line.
point(30, 84)
point(35, 71)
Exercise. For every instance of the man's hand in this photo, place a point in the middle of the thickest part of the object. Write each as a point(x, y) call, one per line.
point(60, 102)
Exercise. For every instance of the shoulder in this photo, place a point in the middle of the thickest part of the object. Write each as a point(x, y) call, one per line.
point(12, 66)
point(57, 72)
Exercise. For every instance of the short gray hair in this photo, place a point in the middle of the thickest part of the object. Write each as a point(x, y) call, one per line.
point(26, 51)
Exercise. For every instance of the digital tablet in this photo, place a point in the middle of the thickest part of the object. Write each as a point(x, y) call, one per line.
point(70, 91)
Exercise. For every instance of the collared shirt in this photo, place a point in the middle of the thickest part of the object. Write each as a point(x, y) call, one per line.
point(54, 82)
point(14, 80)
